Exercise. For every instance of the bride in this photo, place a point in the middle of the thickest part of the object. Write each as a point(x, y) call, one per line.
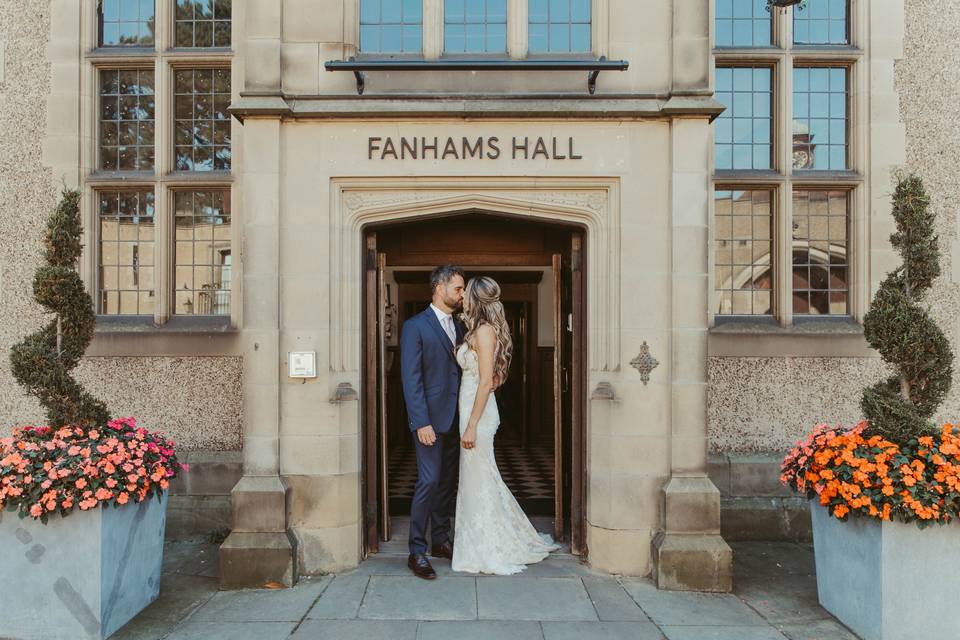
point(493, 534)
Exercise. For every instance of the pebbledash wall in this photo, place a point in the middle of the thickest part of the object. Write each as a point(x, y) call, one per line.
point(303, 183)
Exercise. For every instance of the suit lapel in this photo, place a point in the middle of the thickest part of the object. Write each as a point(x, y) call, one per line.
point(434, 322)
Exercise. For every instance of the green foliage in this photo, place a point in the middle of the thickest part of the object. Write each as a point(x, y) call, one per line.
point(41, 363)
point(901, 407)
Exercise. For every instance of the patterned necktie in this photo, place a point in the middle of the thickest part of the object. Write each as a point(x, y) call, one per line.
point(448, 327)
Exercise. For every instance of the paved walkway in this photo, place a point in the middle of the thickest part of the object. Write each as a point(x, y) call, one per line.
point(775, 597)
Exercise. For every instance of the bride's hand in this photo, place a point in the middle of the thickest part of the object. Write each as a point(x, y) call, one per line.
point(469, 438)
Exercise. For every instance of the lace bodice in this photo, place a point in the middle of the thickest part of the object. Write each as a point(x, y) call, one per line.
point(468, 361)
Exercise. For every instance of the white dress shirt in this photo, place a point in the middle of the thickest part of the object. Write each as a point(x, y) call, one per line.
point(446, 321)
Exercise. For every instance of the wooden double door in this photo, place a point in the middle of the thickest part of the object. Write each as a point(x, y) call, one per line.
point(544, 397)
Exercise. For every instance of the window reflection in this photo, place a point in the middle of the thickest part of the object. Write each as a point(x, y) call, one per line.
point(126, 252)
point(820, 243)
point(391, 26)
point(559, 26)
point(126, 23)
point(743, 130)
point(127, 113)
point(821, 22)
point(202, 128)
point(203, 23)
point(202, 258)
point(475, 26)
point(743, 255)
point(820, 118)
point(743, 23)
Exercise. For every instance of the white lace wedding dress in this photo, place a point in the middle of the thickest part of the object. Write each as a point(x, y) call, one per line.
point(493, 534)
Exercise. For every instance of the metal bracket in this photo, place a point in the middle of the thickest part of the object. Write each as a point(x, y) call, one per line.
point(361, 79)
point(592, 78)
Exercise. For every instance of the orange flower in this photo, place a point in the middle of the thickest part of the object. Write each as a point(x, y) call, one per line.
point(80, 483)
point(123, 497)
point(840, 510)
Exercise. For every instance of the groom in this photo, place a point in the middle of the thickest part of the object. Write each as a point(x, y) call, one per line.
point(431, 385)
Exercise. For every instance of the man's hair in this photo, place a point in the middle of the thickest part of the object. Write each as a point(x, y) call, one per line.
point(443, 275)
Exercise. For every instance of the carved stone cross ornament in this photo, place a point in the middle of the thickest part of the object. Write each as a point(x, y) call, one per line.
point(645, 363)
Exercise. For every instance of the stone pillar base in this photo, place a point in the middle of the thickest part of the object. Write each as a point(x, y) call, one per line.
point(259, 549)
point(251, 560)
point(689, 554)
point(692, 562)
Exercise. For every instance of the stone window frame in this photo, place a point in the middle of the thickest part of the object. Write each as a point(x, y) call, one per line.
point(517, 33)
point(163, 59)
point(783, 179)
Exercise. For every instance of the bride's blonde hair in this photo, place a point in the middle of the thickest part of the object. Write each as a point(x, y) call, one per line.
point(481, 305)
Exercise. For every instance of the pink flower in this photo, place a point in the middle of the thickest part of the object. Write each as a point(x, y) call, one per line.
point(36, 510)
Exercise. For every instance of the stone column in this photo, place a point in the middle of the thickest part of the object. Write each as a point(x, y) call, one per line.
point(688, 552)
point(260, 549)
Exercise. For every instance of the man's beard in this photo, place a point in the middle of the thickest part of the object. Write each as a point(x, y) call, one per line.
point(454, 305)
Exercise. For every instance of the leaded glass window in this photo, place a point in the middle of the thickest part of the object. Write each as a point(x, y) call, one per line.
point(202, 127)
point(821, 22)
point(743, 258)
point(203, 23)
point(820, 118)
point(203, 261)
point(126, 23)
point(743, 130)
point(559, 26)
point(127, 119)
point(125, 282)
point(475, 26)
point(391, 26)
point(743, 23)
point(820, 252)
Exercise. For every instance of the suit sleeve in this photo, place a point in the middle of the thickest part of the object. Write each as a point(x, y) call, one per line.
point(411, 373)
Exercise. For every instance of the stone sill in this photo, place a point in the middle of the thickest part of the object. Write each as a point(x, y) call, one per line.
point(807, 338)
point(180, 336)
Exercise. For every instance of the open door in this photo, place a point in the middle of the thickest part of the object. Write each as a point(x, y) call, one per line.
point(382, 425)
point(578, 348)
point(558, 413)
point(376, 498)
point(371, 395)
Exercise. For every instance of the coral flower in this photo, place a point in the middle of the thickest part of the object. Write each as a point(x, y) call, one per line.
point(36, 510)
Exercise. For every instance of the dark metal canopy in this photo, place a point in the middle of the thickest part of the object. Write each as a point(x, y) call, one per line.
point(593, 67)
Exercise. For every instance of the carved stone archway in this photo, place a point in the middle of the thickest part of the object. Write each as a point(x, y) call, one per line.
point(592, 203)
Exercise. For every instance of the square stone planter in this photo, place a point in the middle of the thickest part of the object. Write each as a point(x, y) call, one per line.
point(83, 576)
point(888, 580)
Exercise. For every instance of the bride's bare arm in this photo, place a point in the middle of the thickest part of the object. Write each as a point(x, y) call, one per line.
point(486, 344)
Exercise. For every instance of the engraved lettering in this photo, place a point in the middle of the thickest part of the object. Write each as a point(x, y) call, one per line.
point(373, 144)
point(472, 152)
point(556, 155)
point(574, 156)
point(493, 148)
point(517, 147)
point(406, 146)
point(450, 149)
point(540, 148)
point(389, 150)
point(424, 146)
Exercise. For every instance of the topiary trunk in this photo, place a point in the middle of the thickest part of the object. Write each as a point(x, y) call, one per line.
point(902, 330)
point(42, 362)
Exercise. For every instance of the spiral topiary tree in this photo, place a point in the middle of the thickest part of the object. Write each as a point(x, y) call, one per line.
point(901, 329)
point(42, 362)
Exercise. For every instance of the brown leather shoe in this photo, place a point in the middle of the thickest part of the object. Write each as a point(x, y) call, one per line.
point(421, 567)
point(442, 550)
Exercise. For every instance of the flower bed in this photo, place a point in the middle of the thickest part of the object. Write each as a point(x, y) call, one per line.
point(853, 475)
point(45, 470)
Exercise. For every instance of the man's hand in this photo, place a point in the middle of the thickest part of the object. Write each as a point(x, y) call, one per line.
point(426, 435)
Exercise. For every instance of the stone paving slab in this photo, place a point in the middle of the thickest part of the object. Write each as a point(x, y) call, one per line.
point(598, 630)
point(774, 597)
point(675, 608)
point(612, 602)
point(820, 630)
point(410, 598)
point(263, 605)
point(480, 630)
point(506, 598)
point(341, 599)
point(233, 631)
point(722, 633)
point(356, 630)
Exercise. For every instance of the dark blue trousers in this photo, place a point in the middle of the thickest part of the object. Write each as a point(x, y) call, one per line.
point(436, 486)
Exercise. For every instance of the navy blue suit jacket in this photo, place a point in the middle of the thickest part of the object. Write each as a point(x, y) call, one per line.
point(429, 370)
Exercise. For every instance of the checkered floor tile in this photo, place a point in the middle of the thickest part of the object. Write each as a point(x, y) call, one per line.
point(528, 472)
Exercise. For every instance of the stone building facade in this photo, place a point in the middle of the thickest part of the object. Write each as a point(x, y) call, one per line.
point(687, 201)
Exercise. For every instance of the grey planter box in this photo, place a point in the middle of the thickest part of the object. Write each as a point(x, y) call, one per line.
point(83, 576)
point(888, 580)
